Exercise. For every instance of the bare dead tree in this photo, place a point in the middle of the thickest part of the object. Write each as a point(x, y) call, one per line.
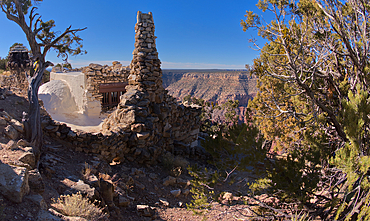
point(41, 39)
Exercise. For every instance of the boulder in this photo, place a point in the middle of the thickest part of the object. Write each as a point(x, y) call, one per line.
point(35, 181)
point(176, 193)
point(13, 182)
point(28, 158)
point(37, 200)
point(23, 143)
point(17, 125)
point(84, 189)
point(11, 132)
point(169, 181)
point(11, 145)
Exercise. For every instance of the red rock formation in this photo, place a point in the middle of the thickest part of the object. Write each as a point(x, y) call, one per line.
point(212, 85)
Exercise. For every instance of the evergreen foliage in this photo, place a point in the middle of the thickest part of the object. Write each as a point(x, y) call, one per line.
point(313, 106)
point(313, 102)
point(3, 62)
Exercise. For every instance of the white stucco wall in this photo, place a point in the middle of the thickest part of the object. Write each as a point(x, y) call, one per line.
point(76, 82)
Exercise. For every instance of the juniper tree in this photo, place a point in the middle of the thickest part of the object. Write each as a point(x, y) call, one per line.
point(313, 100)
point(41, 38)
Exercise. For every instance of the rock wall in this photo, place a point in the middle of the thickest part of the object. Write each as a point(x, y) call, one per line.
point(147, 122)
point(217, 86)
point(97, 74)
point(85, 83)
point(10, 79)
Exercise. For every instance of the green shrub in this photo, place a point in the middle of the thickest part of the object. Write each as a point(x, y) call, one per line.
point(3, 62)
point(203, 188)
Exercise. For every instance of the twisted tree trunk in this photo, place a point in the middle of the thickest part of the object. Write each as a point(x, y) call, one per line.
point(15, 10)
point(32, 121)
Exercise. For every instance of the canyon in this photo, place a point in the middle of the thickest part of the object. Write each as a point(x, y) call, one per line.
point(213, 85)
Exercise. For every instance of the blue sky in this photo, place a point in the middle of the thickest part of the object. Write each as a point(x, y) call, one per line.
point(190, 34)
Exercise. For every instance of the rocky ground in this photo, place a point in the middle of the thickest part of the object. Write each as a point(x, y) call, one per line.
point(140, 192)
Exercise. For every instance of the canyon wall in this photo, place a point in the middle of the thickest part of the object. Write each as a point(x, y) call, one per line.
point(211, 85)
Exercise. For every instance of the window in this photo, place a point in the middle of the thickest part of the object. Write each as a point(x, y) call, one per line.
point(111, 93)
point(114, 97)
point(105, 99)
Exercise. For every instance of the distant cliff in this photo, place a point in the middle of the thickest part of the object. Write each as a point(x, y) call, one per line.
point(211, 85)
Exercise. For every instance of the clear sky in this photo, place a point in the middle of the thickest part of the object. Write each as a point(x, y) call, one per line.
point(190, 34)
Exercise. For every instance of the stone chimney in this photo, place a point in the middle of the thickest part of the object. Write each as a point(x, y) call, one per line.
point(145, 66)
point(144, 87)
point(148, 121)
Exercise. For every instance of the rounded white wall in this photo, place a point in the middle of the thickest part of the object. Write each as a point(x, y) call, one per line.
point(57, 97)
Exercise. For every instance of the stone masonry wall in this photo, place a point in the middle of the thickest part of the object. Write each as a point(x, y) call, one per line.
point(97, 74)
point(147, 122)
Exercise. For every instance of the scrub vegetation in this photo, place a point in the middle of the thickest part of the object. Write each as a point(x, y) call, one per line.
point(312, 108)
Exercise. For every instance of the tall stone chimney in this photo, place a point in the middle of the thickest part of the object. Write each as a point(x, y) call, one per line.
point(148, 121)
point(145, 66)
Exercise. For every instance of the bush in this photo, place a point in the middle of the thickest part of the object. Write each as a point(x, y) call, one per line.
point(3, 62)
point(174, 164)
point(80, 206)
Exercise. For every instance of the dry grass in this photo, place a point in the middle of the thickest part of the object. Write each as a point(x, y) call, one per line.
point(78, 206)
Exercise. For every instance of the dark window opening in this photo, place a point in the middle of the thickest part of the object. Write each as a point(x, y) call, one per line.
point(115, 98)
point(111, 93)
point(105, 99)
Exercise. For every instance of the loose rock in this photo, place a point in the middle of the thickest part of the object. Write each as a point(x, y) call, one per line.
point(123, 201)
point(176, 193)
point(17, 125)
point(13, 182)
point(35, 181)
point(169, 181)
point(28, 158)
point(164, 202)
point(11, 145)
point(11, 132)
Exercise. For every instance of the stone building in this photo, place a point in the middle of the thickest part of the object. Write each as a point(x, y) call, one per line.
point(147, 121)
point(95, 87)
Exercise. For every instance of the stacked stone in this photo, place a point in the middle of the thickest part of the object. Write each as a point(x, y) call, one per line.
point(97, 74)
point(145, 65)
point(177, 133)
point(146, 111)
point(9, 79)
point(147, 121)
